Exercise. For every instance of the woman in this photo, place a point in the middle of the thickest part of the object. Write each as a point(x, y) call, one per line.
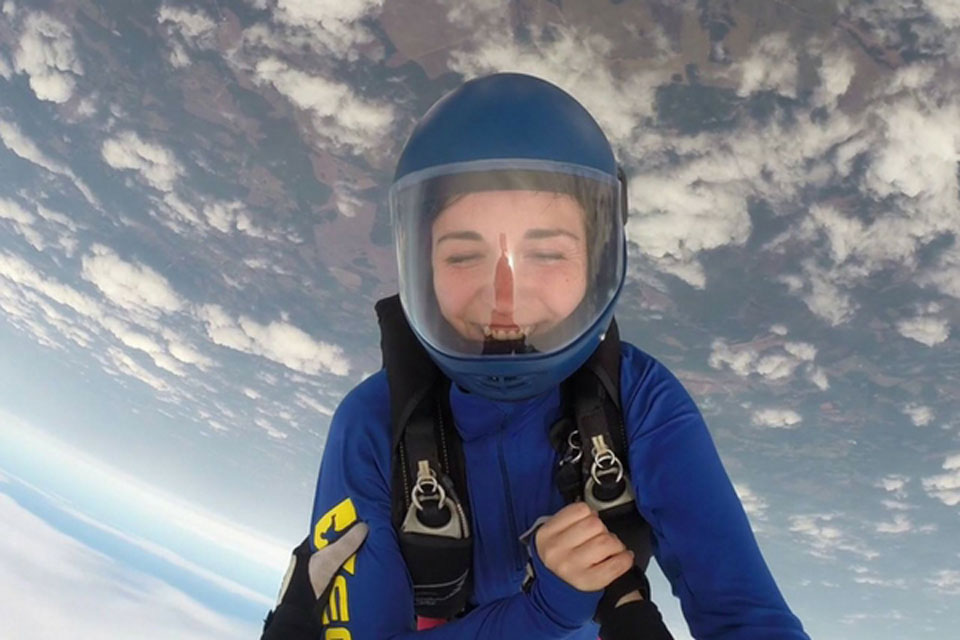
point(509, 209)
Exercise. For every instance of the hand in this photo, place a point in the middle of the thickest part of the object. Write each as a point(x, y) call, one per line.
point(306, 586)
point(576, 546)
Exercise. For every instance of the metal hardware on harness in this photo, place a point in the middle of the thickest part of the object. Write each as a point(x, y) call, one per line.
point(455, 527)
point(605, 464)
point(426, 477)
point(574, 450)
point(605, 461)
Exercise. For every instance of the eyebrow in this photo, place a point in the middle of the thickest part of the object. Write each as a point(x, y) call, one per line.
point(531, 234)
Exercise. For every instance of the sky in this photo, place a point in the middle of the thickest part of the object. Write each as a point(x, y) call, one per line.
point(193, 231)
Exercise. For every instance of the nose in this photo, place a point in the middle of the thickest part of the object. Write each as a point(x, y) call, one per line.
point(502, 314)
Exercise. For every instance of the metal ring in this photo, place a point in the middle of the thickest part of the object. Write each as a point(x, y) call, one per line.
point(614, 464)
point(575, 434)
point(437, 489)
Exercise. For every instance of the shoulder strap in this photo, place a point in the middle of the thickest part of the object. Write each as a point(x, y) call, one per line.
point(430, 504)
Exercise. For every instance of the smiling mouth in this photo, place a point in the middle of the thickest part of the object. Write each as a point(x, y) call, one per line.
point(506, 332)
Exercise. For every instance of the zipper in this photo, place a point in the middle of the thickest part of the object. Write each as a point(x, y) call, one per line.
point(514, 536)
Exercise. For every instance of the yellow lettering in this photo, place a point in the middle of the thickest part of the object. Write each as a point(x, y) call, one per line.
point(338, 600)
point(336, 520)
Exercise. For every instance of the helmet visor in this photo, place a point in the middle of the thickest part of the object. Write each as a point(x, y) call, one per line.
point(507, 257)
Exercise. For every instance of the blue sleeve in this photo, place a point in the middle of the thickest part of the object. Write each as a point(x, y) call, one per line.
point(703, 541)
point(372, 596)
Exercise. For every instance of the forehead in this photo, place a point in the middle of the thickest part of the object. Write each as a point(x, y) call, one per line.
point(510, 209)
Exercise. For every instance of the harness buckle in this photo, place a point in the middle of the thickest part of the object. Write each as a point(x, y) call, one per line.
point(418, 520)
point(606, 488)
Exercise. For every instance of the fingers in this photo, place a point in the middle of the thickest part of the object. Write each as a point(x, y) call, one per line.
point(580, 532)
point(602, 574)
point(565, 517)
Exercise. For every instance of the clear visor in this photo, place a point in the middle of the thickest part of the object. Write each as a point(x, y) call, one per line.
point(502, 257)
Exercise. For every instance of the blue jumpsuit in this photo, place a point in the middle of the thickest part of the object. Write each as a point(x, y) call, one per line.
point(703, 541)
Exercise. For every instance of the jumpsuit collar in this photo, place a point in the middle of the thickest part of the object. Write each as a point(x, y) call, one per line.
point(477, 416)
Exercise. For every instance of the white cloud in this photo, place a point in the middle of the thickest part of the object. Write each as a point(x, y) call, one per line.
point(771, 65)
point(682, 215)
point(926, 330)
point(946, 581)
point(305, 400)
point(825, 538)
point(779, 330)
point(126, 365)
point(42, 565)
point(191, 23)
point(156, 164)
point(278, 341)
point(754, 505)
point(826, 300)
point(333, 25)
point(776, 418)
point(945, 486)
point(894, 484)
point(193, 28)
point(46, 54)
point(133, 286)
point(20, 144)
point(24, 274)
point(339, 114)
point(920, 415)
point(179, 348)
point(836, 72)
point(818, 377)
point(900, 524)
point(11, 210)
point(272, 431)
point(574, 60)
point(777, 362)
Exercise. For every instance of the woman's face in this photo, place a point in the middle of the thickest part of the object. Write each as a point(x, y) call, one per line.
point(508, 265)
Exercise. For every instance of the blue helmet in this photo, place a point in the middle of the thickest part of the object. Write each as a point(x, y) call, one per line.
point(508, 209)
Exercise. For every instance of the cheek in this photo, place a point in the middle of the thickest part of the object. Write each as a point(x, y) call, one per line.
point(559, 289)
point(453, 290)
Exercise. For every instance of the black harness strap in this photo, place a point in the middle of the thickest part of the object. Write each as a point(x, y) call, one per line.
point(428, 461)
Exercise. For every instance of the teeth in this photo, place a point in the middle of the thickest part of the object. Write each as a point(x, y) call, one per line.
point(505, 334)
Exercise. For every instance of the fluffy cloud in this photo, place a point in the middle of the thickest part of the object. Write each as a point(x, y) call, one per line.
point(132, 286)
point(926, 330)
point(920, 415)
point(754, 505)
point(156, 164)
point(771, 65)
point(193, 28)
point(20, 144)
point(900, 524)
point(339, 114)
point(40, 564)
point(776, 418)
point(778, 361)
point(46, 54)
point(335, 25)
point(945, 486)
point(278, 341)
point(946, 581)
point(894, 484)
point(825, 538)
